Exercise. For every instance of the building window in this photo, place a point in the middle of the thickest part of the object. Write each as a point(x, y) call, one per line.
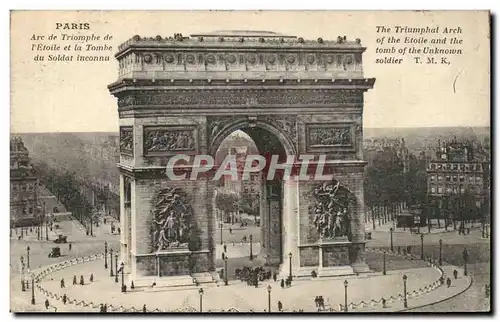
point(14, 187)
point(449, 190)
point(455, 179)
point(31, 210)
point(471, 179)
point(433, 178)
point(440, 178)
point(479, 180)
point(462, 178)
point(455, 167)
point(440, 189)
point(462, 167)
point(433, 189)
point(448, 178)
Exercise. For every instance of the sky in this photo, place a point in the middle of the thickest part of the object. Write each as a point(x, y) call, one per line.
point(73, 97)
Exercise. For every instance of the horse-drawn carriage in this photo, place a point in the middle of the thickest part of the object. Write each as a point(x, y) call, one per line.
point(61, 239)
point(55, 252)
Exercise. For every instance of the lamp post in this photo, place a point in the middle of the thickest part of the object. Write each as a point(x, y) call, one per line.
point(116, 267)
point(290, 265)
point(28, 256)
point(225, 271)
point(269, 288)
point(345, 295)
point(392, 247)
point(33, 289)
point(122, 268)
point(384, 272)
point(466, 256)
point(201, 299)
point(111, 262)
point(46, 230)
point(251, 251)
point(421, 246)
point(404, 290)
point(440, 252)
point(221, 226)
point(105, 255)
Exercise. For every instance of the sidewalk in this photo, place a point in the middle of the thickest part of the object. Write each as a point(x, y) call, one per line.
point(414, 301)
point(238, 295)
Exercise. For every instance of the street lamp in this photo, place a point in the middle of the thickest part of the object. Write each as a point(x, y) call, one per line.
point(421, 246)
point(392, 247)
point(440, 252)
point(221, 226)
point(28, 256)
point(269, 288)
point(33, 289)
point(466, 256)
point(225, 270)
point(345, 295)
point(122, 268)
point(116, 267)
point(46, 230)
point(251, 252)
point(105, 255)
point(290, 265)
point(384, 272)
point(201, 299)
point(404, 290)
point(111, 262)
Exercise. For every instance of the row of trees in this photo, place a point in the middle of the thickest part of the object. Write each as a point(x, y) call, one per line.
point(67, 189)
point(230, 204)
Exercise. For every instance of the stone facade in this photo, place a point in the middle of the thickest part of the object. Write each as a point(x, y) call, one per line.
point(291, 96)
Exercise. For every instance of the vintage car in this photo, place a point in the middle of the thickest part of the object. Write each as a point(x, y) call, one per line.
point(55, 252)
point(61, 239)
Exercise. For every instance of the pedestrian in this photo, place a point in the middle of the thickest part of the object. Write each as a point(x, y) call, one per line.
point(119, 230)
point(223, 256)
point(104, 220)
point(230, 230)
point(101, 308)
point(62, 283)
point(280, 306)
point(105, 308)
point(225, 248)
point(282, 283)
point(275, 276)
point(144, 308)
point(81, 280)
point(64, 299)
point(74, 279)
point(455, 273)
point(448, 282)
point(47, 304)
point(91, 277)
point(468, 231)
point(70, 246)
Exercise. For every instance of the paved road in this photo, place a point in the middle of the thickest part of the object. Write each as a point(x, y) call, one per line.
point(82, 245)
point(452, 252)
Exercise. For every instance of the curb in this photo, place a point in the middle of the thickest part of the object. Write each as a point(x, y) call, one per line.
point(440, 301)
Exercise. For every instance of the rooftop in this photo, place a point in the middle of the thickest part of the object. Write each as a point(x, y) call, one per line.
point(242, 33)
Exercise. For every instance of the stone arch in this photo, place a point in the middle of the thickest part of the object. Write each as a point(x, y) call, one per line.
point(244, 123)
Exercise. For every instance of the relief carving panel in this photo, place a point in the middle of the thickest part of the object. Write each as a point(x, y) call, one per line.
point(340, 136)
point(160, 140)
point(207, 98)
point(127, 140)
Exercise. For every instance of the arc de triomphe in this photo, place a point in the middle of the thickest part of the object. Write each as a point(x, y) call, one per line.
point(292, 96)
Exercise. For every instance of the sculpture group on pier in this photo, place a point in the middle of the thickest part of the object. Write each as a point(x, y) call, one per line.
point(331, 211)
point(171, 221)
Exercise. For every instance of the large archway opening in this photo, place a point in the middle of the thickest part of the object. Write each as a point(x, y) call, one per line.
point(248, 212)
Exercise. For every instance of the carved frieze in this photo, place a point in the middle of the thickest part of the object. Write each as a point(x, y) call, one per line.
point(160, 140)
point(172, 220)
point(332, 213)
point(127, 140)
point(339, 136)
point(207, 98)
